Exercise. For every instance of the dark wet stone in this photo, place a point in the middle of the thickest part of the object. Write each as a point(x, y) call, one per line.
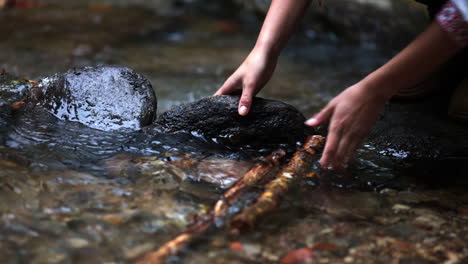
point(103, 97)
point(217, 118)
point(420, 130)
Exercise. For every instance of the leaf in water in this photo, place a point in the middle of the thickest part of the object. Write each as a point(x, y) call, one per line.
point(302, 255)
point(236, 246)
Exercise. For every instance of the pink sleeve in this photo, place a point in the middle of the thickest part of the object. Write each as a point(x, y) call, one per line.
point(452, 21)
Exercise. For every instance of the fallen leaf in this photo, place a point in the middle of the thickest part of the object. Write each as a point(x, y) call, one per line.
point(302, 255)
point(236, 246)
point(18, 105)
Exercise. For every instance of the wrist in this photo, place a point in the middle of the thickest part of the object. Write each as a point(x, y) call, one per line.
point(380, 89)
point(269, 49)
point(378, 84)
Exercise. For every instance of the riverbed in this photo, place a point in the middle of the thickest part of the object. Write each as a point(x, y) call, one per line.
point(72, 194)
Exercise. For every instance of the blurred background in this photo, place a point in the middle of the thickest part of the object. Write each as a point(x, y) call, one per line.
point(187, 48)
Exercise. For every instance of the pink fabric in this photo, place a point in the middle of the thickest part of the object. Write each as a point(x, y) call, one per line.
point(453, 22)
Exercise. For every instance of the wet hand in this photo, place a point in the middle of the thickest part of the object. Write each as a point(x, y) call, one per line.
point(352, 114)
point(249, 79)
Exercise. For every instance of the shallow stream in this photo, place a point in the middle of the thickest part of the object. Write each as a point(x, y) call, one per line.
point(71, 194)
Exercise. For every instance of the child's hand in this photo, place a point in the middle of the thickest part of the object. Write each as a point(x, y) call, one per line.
point(352, 114)
point(249, 78)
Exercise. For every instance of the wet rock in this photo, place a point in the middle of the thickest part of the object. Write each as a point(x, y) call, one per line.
point(420, 130)
point(103, 97)
point(217, 118)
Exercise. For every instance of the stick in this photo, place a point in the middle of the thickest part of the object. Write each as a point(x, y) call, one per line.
point(271, 197)
point(253, 176)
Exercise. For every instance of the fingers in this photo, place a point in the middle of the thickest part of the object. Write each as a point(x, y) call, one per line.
point(333, 140)
point(230, 86)
point(321, 117)
point(341, 148)
point(246, 99)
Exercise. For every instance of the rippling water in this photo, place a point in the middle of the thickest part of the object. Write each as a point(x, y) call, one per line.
point(72, 194)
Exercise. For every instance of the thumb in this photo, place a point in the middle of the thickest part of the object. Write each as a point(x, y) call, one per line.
point(321, 117)
point(246, 100)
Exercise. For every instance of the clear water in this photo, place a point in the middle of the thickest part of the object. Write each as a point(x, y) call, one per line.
point(71, 194)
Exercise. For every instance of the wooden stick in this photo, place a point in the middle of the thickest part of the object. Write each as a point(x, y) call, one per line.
point(254, 175)
point(271, 197)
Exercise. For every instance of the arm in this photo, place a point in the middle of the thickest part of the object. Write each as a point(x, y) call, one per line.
point(353, 112)
point(257, 69)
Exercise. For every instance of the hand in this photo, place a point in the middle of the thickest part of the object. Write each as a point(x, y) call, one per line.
point(249, 78)
point(352, 114)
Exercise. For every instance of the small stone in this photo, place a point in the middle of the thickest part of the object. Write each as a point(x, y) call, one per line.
point(252, 250)
point(77, 242)
point(429, 221)
point(131, 253)
point(218, 243)
point(388, 191)
point(269, 256)
point(113, 219)
point(400, 208)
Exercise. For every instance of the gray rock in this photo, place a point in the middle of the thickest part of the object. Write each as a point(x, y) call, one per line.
point(217, 118)
point(103, 97)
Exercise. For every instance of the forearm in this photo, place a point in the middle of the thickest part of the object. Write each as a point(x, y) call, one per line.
point(432, 48)
point(280, 22)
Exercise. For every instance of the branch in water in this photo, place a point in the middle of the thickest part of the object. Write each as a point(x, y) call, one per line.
point(274, 191)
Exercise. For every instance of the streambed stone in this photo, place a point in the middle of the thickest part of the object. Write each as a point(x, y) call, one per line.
point(103, 97)
point(217, 117)
point(421, 130)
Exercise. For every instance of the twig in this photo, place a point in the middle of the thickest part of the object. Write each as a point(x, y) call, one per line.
point(271, 197)
point(253, 176)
